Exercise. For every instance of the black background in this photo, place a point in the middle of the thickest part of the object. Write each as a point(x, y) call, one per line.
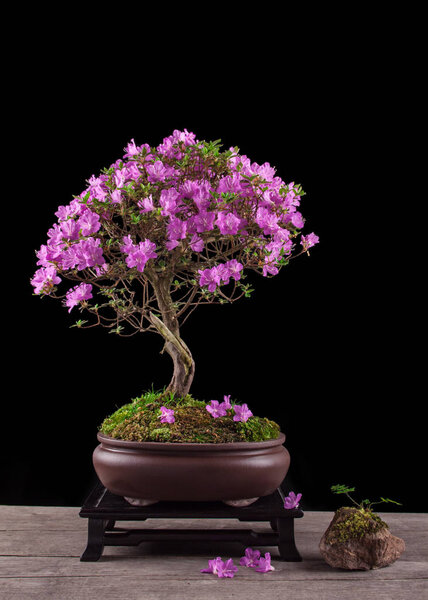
point(327, 348)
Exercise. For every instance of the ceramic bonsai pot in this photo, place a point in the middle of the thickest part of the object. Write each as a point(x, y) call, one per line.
point(145, 472)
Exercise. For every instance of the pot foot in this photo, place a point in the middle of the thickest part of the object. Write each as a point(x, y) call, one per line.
point(240, 503)
point(140, 501)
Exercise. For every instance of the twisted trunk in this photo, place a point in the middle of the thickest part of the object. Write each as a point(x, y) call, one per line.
point(184, 365)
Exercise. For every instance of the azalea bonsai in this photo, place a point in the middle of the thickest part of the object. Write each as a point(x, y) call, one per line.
point(163, 230)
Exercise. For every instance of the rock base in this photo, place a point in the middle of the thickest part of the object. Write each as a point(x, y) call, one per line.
point(367, 551)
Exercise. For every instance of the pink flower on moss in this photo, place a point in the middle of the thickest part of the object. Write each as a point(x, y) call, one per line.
point(226, 402)
point(167, 415)
point(215, 409)
point(242, 413)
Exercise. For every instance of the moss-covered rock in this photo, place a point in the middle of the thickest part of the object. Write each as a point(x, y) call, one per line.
point(358, 539)
point(353, 523)
point(140, 421)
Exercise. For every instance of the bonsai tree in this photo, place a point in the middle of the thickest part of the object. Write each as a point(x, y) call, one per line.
point(165, 229)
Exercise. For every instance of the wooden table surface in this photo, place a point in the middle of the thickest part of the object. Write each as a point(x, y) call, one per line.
point(40, 548)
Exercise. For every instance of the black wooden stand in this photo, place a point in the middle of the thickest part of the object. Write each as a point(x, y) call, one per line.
point(103, 509)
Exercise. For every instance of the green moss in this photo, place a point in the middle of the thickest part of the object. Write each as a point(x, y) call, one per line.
point(353, 523)
point(139, 421)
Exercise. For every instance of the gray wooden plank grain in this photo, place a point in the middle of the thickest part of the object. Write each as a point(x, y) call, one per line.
point(40, 549)
point(112, 588)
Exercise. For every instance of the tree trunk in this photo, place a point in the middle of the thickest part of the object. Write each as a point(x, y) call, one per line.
point(184, 365)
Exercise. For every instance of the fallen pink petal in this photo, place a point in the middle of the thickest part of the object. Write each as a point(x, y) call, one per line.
point(251, 558)
point(264, 564)
point(213, 565)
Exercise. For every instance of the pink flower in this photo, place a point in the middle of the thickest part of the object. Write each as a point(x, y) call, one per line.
point(77, 294)
point(292, 501)
point(88, 253)
point(226, 569)
point(220, 568)
point(251, 558)
point(44, 280)
point(196, 243)
point(89, 223)
point(215, 409)
point(210, 278)
point(139, 255)
point(309, 240)
point(213, 565)
point(119, 178)
point(131, 149)
point(116, 197)
point(169, 202)
point(204, 221)
point(228, 223)
point(70, 229)
point(264, 564)
point(226, 402)
point(242, 413)
point(146, 205)
point(234, 267)
point(167, 415)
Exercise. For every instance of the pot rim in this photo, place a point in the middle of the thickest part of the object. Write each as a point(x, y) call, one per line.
point(189, 446)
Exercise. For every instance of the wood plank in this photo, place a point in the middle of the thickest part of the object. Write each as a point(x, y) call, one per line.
point(170, 564)
point(72, 543)
point(263, 587)
point(66, 518)
point(40, 549)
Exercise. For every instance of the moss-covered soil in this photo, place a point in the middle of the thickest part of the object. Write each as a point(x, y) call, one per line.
point(353, 523)
point(140, 421)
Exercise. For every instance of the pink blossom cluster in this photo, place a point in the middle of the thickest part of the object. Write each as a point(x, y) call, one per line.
point(216, 409)
point(138, 254)
point(78, 294)
point(252, 559)
point(220, 274)
point(165, 207)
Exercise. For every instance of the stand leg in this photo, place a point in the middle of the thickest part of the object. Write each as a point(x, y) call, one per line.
point(274, 524)
point(95, 546)
point(286, 544)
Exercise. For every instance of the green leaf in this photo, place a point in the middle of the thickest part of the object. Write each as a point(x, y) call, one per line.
point(78, 323)
point(387, 500)
point(341, 489)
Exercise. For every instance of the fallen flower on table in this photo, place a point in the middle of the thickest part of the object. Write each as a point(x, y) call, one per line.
point(213, 565)
point(220, 568)
point(251, 558)
point(264, 564)
point(292, 500)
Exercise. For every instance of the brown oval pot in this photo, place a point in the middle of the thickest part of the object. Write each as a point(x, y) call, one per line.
point(191, 471)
